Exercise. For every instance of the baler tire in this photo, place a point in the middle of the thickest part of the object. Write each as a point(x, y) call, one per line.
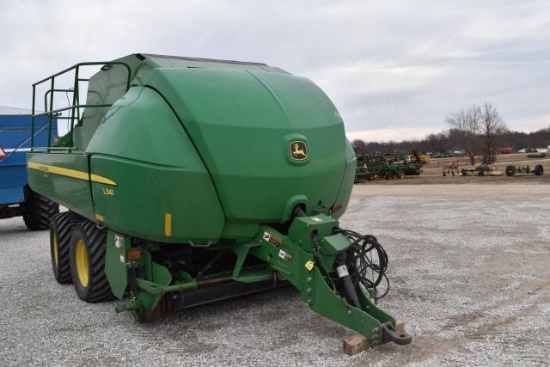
point(539, 170)
point(510, 170)
point(39, 210)
point(61, 229)
point(87, 251)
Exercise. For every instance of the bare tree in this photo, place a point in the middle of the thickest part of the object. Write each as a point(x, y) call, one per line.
point(492, 126)
point(478, 129)
point(359, 146)
point(467, 125)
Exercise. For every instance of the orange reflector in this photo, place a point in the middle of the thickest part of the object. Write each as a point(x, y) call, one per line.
point(335, 208)
point(2, 153)
point(134, 255)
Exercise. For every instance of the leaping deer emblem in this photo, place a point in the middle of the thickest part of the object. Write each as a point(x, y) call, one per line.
point(299, 150)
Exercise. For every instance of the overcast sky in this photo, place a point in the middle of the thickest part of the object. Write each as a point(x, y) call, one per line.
point(394, 69)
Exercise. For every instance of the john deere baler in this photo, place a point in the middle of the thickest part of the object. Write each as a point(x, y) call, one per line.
point(192, 180)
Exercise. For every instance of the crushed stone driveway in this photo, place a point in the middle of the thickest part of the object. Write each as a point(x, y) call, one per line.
point(469, 270)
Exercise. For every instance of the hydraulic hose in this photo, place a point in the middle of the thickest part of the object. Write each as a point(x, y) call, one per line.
point(343, 274)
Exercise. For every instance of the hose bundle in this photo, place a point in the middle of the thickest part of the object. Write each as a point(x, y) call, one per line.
point(367, 262)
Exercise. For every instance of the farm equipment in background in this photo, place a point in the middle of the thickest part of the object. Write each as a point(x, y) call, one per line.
point(193, 180)
point(363, 174)
point(16, 198)
point(537, 155)
point(387, 166)
point(485, 169)
point(400, 164)
point(512, 170)
point(421, 158)
point(451, 169)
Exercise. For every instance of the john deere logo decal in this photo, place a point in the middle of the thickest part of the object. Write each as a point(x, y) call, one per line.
point(298, 150)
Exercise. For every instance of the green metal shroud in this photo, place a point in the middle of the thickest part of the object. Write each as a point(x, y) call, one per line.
point(198, 166)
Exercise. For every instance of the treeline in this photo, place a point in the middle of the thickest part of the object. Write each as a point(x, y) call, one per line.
point(450, 140)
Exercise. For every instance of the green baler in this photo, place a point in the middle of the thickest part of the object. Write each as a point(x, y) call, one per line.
point(192, 180)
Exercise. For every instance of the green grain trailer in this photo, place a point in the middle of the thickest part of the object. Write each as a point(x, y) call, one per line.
point(192, 180)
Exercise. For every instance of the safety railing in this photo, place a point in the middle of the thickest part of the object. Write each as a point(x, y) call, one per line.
point(74, 108)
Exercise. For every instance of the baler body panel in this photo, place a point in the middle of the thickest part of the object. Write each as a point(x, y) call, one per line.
point(344, 194)
point(161, 191)
point(243, 124)
point(63, 177)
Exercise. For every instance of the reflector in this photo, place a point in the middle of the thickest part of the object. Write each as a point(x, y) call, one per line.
point(134, 255)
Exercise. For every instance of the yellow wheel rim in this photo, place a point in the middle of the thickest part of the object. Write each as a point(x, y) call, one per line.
point(82, 264)
point(55, 250)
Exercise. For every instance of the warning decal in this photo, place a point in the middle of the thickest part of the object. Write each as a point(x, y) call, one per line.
point(273, 240)
point(285, 256)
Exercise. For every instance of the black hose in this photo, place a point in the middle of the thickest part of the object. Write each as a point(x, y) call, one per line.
point(299, 211)
point(343, 274)
point(367, 261)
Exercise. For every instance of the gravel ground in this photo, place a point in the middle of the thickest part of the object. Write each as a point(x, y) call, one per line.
point(469, 266)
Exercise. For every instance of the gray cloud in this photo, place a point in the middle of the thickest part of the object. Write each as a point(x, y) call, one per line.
point(394, 69)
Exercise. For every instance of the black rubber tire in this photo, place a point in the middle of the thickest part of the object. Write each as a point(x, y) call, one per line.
point(39, 210)
point(400, 175)
point(61, 229)
point(481, 173)
point(510, 170)
point(539, 170)
point(87, 258)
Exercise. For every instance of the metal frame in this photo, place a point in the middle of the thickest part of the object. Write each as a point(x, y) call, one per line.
point(55, 115)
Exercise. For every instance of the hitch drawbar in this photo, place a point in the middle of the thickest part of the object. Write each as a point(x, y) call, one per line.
point(357, 343)
point(390, 333)
point(336, 272)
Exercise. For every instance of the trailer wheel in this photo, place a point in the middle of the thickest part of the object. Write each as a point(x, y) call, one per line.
point(400, 175)
point(38, 210)
point(87, 253)
point(510, 170)
point(539, 170)
point(60, 239)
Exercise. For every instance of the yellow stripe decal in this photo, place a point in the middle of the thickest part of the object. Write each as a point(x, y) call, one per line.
point(79, 175)
point(168, 224)
point(99, 217)
point(101, 179)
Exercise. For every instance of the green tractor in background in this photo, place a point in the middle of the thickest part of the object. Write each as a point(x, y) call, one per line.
point(192, 180)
